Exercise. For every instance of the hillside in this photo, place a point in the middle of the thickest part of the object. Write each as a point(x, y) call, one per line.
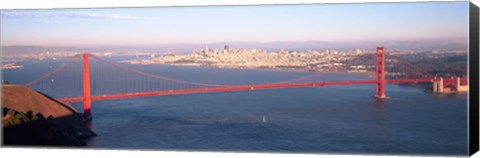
point(23, 99)
point(32, 118)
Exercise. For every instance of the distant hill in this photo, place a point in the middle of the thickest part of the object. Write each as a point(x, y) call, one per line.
point(186, 48)
point(37, 49)
point(32, 118)
point(456, 65)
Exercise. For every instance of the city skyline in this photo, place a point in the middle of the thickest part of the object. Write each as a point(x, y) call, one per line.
point(447, 21)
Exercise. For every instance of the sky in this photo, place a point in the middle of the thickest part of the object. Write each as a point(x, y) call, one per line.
point(267, 23)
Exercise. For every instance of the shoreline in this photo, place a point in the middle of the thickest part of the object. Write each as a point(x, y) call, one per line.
point(11, 66)
point(369, 74)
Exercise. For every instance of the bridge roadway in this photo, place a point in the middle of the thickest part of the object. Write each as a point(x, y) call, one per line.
point(242, 88)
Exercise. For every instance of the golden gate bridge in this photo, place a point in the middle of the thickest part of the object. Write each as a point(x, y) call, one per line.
point(109, 80)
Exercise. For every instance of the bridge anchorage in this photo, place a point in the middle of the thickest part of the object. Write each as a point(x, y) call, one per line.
point(450, 85)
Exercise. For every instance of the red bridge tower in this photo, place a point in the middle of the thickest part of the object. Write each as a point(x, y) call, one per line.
point(380, 73)
point(87, 98)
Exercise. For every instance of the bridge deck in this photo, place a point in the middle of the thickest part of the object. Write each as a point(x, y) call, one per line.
point(241, 88)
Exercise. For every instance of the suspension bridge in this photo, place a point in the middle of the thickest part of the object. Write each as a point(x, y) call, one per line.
point(99, 79)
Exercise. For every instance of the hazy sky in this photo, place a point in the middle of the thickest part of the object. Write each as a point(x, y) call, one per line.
point(170, 25)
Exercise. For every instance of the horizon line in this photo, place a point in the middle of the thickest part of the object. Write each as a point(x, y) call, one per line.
point(455, 40)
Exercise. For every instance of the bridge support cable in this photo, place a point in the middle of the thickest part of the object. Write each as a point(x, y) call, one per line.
point(53, 71)
point(188, 82)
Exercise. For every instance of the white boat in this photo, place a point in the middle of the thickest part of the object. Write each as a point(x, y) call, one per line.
point(264, 120)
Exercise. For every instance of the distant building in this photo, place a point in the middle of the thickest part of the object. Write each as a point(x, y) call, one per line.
point(358, 51)
point(226, 47)
point(206, 49)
